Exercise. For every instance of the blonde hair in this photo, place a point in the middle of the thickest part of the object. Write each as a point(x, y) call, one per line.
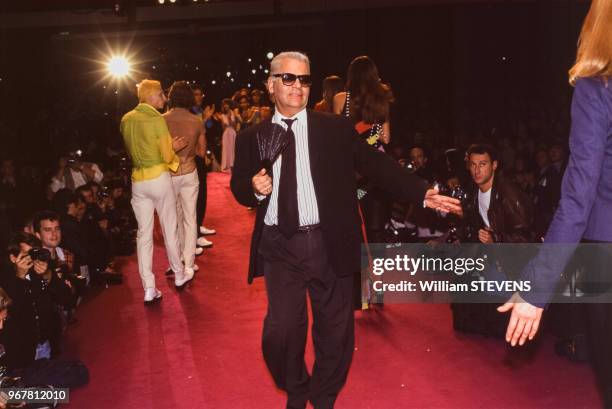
point(146, 88)
point(594, 57)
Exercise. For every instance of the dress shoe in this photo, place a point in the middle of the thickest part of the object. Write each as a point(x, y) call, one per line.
point(152, 295)
point(206, 231)
point(202, 242)
point(199, 251)
point(180, 283)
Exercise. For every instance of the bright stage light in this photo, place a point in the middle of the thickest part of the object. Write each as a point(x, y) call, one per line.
point(161, 1)
point(229, 74)
point(270, 55)
point(118, 67)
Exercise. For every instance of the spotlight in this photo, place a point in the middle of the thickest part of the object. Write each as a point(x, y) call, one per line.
point(229, 74)
point(118, 66)
point(267, 71)
point(250, 60)
point(213, 82)
point(270, 55)
point(161, 1)
point(254, 71)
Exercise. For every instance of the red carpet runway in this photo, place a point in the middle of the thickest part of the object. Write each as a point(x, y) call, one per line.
point(201, 348)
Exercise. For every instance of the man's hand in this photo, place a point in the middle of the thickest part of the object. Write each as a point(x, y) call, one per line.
point(434, 200)
point(179, 143)
point(41, 267)
point(24, 264)
point(485, 236)
point(524, 321)
point(262, 183)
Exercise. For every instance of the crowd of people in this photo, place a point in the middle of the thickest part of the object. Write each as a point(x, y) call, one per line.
point(63, 227)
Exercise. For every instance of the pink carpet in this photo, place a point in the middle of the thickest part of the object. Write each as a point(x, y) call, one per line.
point(201, 348)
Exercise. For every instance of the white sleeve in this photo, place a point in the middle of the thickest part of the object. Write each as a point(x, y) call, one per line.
point(98, 175)
point(57, 184)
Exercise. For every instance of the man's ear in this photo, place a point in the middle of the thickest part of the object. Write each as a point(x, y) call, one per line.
point(270, 85)
point(494, 165)
point(37, 234)
point(13, 259)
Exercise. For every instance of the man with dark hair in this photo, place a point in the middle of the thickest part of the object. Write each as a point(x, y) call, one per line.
point(73, 172)
point(185, 180)
point(48, 230)
point(502, 213)
point(34, 330)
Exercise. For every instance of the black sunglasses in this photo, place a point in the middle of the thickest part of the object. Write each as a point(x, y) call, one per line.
point(289, 79)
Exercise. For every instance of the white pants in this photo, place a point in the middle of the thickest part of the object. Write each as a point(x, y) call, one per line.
point(147, 197)
point(186, 188)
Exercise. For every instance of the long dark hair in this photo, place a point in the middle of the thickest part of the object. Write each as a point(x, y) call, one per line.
point(331, 86)
point(370, 98)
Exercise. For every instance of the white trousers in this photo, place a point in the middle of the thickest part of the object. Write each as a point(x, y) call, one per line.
point(147, 197)
point(186, 188)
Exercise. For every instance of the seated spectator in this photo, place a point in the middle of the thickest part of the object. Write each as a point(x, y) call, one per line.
point(499, 212)
point(39, 373)
point(37, 292)
point(46, 225)
point(73, 173)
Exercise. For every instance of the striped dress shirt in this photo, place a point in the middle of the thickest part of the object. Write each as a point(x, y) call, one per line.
point(307, 200)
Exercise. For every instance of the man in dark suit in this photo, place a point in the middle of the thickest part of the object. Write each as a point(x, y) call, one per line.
point(307, 236)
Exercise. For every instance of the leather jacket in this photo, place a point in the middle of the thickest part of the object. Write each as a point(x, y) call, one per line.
point(510, 214)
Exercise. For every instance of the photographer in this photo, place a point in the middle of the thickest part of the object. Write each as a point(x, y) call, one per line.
point(73, 172)
point(41, 373)
point(498, 211)
point(48, 230)
point(37, 292)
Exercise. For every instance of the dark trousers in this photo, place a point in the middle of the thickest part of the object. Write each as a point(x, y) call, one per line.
point(201, 205)
point(294, 267)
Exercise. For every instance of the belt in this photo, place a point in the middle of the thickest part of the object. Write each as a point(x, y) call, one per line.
point(308, 228)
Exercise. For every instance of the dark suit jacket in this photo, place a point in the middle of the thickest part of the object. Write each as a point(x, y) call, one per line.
point(585, 208)
point(336, 153)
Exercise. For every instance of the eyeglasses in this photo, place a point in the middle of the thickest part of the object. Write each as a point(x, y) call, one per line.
point(289, 79)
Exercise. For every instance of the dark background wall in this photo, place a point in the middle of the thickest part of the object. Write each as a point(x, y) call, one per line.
point(455, 68)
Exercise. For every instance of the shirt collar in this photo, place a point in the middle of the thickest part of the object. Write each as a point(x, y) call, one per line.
point(148, 109)
point(300, 116)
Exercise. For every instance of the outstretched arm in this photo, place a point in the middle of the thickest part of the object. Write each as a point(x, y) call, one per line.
point(588, 138)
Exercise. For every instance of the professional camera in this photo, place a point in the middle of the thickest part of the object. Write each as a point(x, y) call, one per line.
point(457, 232)
point(75, 156)
point(39, 254)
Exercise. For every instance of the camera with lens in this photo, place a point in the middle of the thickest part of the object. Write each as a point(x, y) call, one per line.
point(40, 254)
point(75, 156)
